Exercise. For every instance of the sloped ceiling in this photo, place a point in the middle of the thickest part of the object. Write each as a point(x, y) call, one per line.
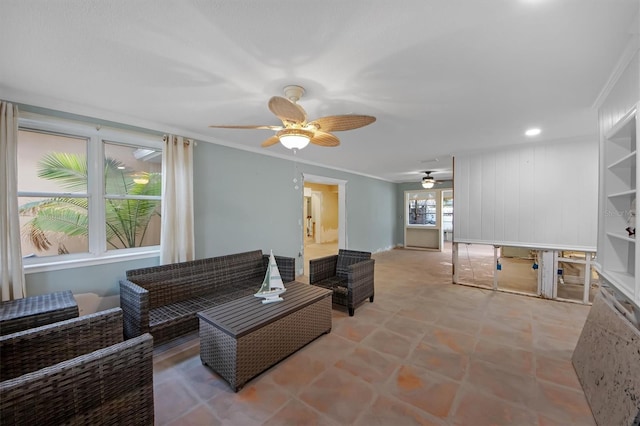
point(442, 77)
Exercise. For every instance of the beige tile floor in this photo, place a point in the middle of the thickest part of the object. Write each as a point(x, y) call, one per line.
point(425, 352)
point(314, 251)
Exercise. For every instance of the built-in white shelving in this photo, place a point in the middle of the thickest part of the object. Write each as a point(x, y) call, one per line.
point(621, 254)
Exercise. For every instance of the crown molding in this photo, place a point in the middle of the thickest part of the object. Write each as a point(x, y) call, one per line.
point(627, 55)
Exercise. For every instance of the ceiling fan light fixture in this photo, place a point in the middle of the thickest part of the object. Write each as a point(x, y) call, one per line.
point(427, 184)
point(140, 178)
point(428, 181)
point(294, 138)
point(535, 131)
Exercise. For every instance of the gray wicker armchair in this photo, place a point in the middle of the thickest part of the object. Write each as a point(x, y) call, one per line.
point(349, 274)
point(78, 371)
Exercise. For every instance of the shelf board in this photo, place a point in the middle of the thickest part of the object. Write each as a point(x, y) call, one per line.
point(625, 162)
point(621, 237)
point(622, 194)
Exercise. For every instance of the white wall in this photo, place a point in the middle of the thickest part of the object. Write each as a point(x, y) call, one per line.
point(542, 196)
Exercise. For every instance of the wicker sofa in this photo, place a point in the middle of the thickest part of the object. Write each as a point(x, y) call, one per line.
point(77, 371)
point(349, 274)
point(163, 300)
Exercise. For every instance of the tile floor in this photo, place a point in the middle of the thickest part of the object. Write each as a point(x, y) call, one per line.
point(314, 251)
point(425, 352)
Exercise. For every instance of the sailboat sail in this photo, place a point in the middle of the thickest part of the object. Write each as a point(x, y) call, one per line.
point(272, 286)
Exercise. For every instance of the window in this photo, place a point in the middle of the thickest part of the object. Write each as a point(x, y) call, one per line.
point(53, 204)
point(447, 211)
point(132, 196)
point(86, 192)
point(422, 208)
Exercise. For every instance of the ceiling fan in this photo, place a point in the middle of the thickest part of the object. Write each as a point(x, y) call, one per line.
point(296, 131)
point(428, 181)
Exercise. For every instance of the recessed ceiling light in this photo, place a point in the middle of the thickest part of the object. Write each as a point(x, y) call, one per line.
point(532, 132)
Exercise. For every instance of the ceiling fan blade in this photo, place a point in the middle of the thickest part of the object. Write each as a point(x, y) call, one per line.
point(333, 123)
point(248, 127)
point(286, 110)
point(271, 141)
point(325, 139)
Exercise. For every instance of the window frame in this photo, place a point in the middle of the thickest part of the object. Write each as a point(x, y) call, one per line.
point(421, 194)
point(96, 135)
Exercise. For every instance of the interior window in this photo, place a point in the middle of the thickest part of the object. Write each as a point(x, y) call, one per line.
point(422, 209)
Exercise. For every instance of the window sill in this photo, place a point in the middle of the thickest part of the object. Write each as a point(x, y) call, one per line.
point(45, 265)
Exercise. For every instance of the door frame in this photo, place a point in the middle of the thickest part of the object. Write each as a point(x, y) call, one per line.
point(342, 214)
point(316, 212)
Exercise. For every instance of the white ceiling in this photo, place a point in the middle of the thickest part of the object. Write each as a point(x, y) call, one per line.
point(441, 76)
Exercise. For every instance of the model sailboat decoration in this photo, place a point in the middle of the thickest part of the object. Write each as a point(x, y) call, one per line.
point(272, 286)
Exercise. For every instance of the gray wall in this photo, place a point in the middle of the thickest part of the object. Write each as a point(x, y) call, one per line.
point(244, 201)
point(100, 279)
point(400, 208)
point(247, 201)
point(371, 209)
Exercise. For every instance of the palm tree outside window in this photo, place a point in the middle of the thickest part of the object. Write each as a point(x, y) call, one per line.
point(77, 198)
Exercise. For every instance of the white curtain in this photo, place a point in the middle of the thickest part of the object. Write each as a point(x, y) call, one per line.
point(11, 272)
point(177, 240)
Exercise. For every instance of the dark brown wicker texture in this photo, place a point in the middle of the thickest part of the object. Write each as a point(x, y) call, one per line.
point(34, 311)
point(349, 274)
point(163, 300)
point(243, 338)
point(110, 384)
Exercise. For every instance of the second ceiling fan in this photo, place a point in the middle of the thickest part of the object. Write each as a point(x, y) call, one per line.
point(428, 181)
point(296, 130)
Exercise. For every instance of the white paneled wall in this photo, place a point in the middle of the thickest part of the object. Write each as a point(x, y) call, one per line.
point(542, 196)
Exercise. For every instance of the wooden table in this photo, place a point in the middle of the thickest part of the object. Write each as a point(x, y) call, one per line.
point(242, 338)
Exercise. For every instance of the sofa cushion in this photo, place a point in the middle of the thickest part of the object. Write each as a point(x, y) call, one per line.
point(186, 309)
point(173, 312)
point(334, 283)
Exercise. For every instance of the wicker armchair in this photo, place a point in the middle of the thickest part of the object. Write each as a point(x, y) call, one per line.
point(35, 311)
point(349, 274)
point(78, 371)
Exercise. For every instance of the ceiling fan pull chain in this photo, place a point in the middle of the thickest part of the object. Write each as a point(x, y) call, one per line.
point(295, 170)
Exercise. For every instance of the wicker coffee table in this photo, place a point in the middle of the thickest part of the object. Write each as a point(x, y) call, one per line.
point(35, 311)
point(242, 338)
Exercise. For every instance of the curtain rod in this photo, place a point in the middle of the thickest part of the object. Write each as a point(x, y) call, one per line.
point(186, 141)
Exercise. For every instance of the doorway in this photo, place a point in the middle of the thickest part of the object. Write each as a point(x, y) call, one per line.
point(323, 217)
